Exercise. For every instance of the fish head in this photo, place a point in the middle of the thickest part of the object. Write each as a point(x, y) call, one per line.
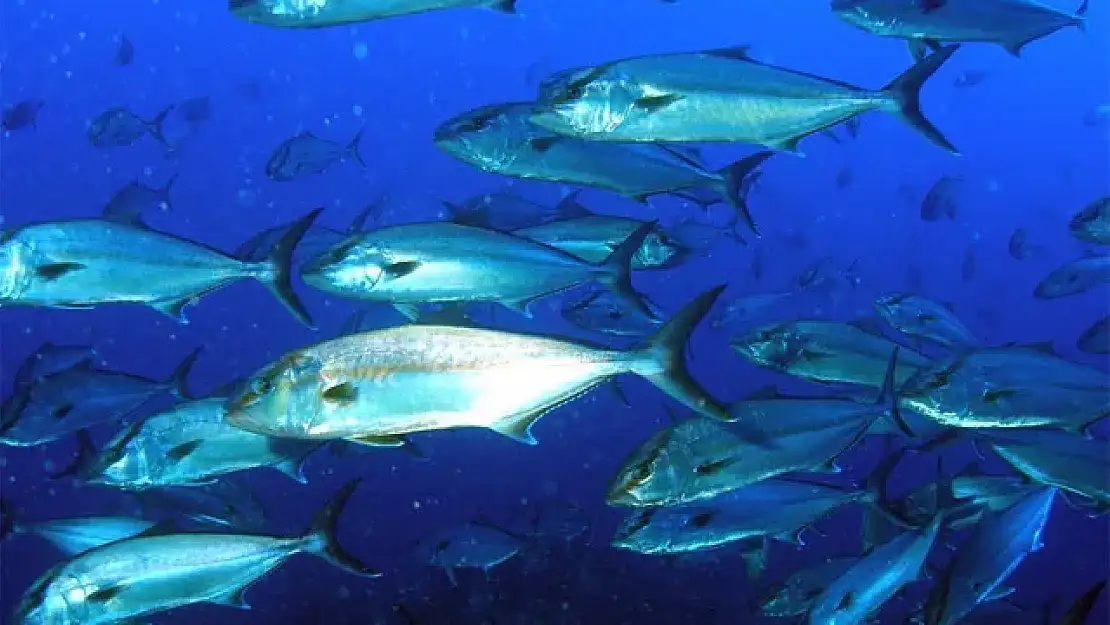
point(660, 250)
point(283, 399)
point(864, 14)
point(490, 137)
point(59, 597)
point(354, 266)
point(17, 268)
point(646, 477)
point(775, 346)
point(638, 533)
point(593, 102)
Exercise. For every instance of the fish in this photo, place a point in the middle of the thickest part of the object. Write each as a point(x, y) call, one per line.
point(998, 544)
point(825, 274)
point(125, 52)
point(324, 14)
point(76, 535)
point(119, 127)
point(473, 546)
point(1074, 277)
point(1071, 463)
point(594, 238)
point(777, 508)
point(447, 262)
point(794, 596)
point(1019, 246)
point(1092, 224)
point(51, 358)
point(305, 153)
point(827, 351)
point(316, 241)
point(396, 381)
point(601, 311)
point(724, 96)
point(1008, 387)
point(79, 263)
point(872, 581)
point(508, 211)
point(79, 397)
point(941, 199)
point(1084, 605)
point(971, 78)
point(1096, 338)
point(1009, 23)
point(994, 492)
point(134, 199)
point(699, 459)
point(195, 110)
point(845, 177)
point(502, 139)
point(742, 308)
point(919, 317)
point(224, 503)
point(23, 114)
point(189, 444)
point(148, 574)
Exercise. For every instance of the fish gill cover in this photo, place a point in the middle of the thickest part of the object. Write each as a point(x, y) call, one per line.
point(814, 295)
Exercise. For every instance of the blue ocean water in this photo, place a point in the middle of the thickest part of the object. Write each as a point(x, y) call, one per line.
point(1028, 160)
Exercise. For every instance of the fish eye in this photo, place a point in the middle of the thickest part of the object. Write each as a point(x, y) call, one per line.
point(262, 386)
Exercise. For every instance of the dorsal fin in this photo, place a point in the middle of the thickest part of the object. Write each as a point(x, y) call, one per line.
point(733, 52)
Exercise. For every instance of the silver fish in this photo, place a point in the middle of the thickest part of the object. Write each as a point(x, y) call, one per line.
point(1092, 224)
point(325, 13)
point(83, 262)
point(1077, 276)
point(595, 237)
point(724, 95)
point(119, 127)
point(417, 378)
point(149, 574)
point(920, 317)
point(1071, 463)
point(795, 595)
point(471, 546)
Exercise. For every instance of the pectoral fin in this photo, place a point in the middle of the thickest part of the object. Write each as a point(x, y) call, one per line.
point(53, 271)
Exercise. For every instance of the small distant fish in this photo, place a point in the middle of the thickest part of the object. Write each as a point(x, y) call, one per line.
point(825, 274)
point(195, 110)
point(1077, 276)
point(125, 52)
point(475, 545)
point(1092, 224)
point(1096, 339)
point(742, 309)
point(325, 14)
point(305, 153)
point(508, 211)
point(21, 115)
point(144, 575)
point(225, 503)
point(134, 199)
point(970, 78)
point(119, 127)
point(844, 177)
point(1020, 247)
point(940, 201)
point(927, 24)
point(601, 312)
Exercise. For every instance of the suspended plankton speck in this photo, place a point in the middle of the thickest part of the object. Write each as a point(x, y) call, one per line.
point(361, 51)
point(356, 110)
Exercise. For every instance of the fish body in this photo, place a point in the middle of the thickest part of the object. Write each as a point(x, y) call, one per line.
point(1092, 224)
point(21, 115)
point(1071, 463)
point(721, 95)
point(994, 492)
point(743, 308)
point(775, 508)
point(192, 444)
point(501, 139)
point(134, 199)
point(448, 262)
point(84, 262)
point(920, 317)
point(415, 378)
point(1009, 387)
point(77, 535)
point(325, 13)
point(119, 127)
point(997, 546)
point(1008, 23)
point(472, 546)
point(595, 237)
point(827, 351)
point(305, 153)
point(1072, 278)
point(508, 211)
point(795, 595)
point(603, 312)
point(144, 575)
point(865, 587)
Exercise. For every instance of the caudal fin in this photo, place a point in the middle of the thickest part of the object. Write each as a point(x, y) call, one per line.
point(737, 182)
point(352, 147)
point(156, 126)
point(179, 379)
point(279, 275)
point(667, 351)
point(324, 536)
point(616, 270)
point(905, 96)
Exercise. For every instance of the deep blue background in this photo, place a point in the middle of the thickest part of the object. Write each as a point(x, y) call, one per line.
point(1028, 160)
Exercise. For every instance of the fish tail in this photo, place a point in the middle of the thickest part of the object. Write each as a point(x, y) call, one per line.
point(666, 350)
point(888, 396)
point(9, 521)
point(164, 194)
point(352, 147)
point(322, 536)
point(904, 94)
point(616, 270)
point(179, 379)
point(278, 276)
point(737, 179)
point(1081, 16)
point(85, 462)
point(156, 126)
